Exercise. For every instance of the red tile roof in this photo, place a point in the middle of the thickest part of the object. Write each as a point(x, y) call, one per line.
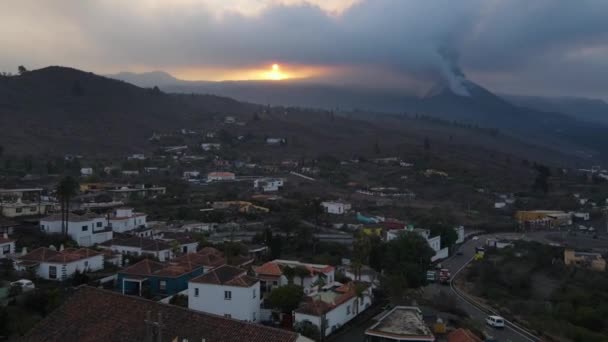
point(269, 269)
point(226, 275)
point(44, 254)
point(462, 335)
point(94, 315)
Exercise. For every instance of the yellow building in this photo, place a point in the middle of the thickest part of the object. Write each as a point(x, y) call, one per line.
point(542, 218)
point(593, 261)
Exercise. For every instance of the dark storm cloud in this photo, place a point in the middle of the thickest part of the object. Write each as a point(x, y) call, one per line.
point(499, 41)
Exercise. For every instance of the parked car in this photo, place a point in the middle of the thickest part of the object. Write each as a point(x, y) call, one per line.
point(495, 321)
point(25, 284)
point(459, 253)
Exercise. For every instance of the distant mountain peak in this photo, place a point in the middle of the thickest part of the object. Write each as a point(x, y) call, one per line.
point(147, 79)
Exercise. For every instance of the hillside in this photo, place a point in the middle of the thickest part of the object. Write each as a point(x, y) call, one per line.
point(62, 109)
point(591, 110)
point(571, 134)
point(55, 110)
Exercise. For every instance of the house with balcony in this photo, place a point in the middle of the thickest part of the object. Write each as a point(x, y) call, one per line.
point(330, 309)
point(126, 219)
point(50, 264)
point(226, 291)
point(279, 272)
point(157, 279)
point(87, 230)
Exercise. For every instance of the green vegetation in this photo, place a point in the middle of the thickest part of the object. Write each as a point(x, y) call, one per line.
point(286, 298)
point(530, 280)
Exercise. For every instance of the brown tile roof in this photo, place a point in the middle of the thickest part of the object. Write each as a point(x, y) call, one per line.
point(463, 335)
point(197, 259)
point(48, 255)
point(94, 315)
point(144, 267)
point(269, 269)
point(319, 307)
point(5, 240)
point(226, 275)
point(143, 243)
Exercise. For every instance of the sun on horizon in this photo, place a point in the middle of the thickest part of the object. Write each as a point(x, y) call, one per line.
point(275, 73)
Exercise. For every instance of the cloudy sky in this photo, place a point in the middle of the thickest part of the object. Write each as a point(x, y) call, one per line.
point(540, 47)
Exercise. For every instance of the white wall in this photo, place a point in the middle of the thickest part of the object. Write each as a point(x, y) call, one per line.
point(7, 248)
point(339, 315)
point(242, 306)
point(162, 255)
point(91, 264)
point(84, 238)
point(127, 224)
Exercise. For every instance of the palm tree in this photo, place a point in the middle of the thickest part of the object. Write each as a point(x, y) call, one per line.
point(301, 272)
point(289, 273)
point(66, 190)
point(360, 293)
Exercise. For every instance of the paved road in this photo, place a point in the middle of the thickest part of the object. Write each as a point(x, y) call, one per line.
point(509, 334)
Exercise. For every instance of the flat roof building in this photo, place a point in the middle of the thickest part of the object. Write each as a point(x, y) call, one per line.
point(402, 323)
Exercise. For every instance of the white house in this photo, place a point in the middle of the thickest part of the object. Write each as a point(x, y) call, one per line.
point(125, 219)
point(130, 173)
point(137, 156)
point(211, 146)
point(268, 184)
point(433, 241)
point(310, 276)
point(581, 216)
point(19, 208)
point(191, 175)
point(329, 310)
point(226, 291)
point(7, 246)
point(86, 171)
point(140, 246)
point(275, 141)
point(460, 233)
point(50, 264)
point(220, 176)
point(335, 207)
point(87, 230)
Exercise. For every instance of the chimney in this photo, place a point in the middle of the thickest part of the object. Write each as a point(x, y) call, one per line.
point(5, 235)
point(24, 251)
point(61, 248)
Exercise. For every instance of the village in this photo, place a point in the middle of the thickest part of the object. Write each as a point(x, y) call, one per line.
point(285, 244)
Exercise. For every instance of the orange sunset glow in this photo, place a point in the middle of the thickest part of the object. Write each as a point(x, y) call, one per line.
point(269, 72)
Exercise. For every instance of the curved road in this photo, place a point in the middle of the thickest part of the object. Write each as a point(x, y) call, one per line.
point(512, 333)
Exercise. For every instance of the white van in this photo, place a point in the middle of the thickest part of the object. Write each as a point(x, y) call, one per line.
point(495, 321)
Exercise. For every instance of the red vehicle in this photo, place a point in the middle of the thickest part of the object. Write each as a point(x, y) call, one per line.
point(444, 276)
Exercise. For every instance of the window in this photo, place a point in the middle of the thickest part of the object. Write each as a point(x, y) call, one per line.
point(254, 318)
point(18, 210)
point(275, 283)
point(85, 228)
point(99, 224)
point(6, 249)
point(167, 255)
point(254, 293)
point(348, 309)
point(163, 285)
point(86, 264)
point(196, 292)
point(52, 272)
point(33, 209)
point(227, 295)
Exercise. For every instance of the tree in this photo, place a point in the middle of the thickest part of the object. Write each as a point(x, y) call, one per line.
point(21, 69)
point(286, 298)
point(308, 329)
point(301, 272)
point(447, 233)
point(66, 190)
point(406, 260)
point(361, 252)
